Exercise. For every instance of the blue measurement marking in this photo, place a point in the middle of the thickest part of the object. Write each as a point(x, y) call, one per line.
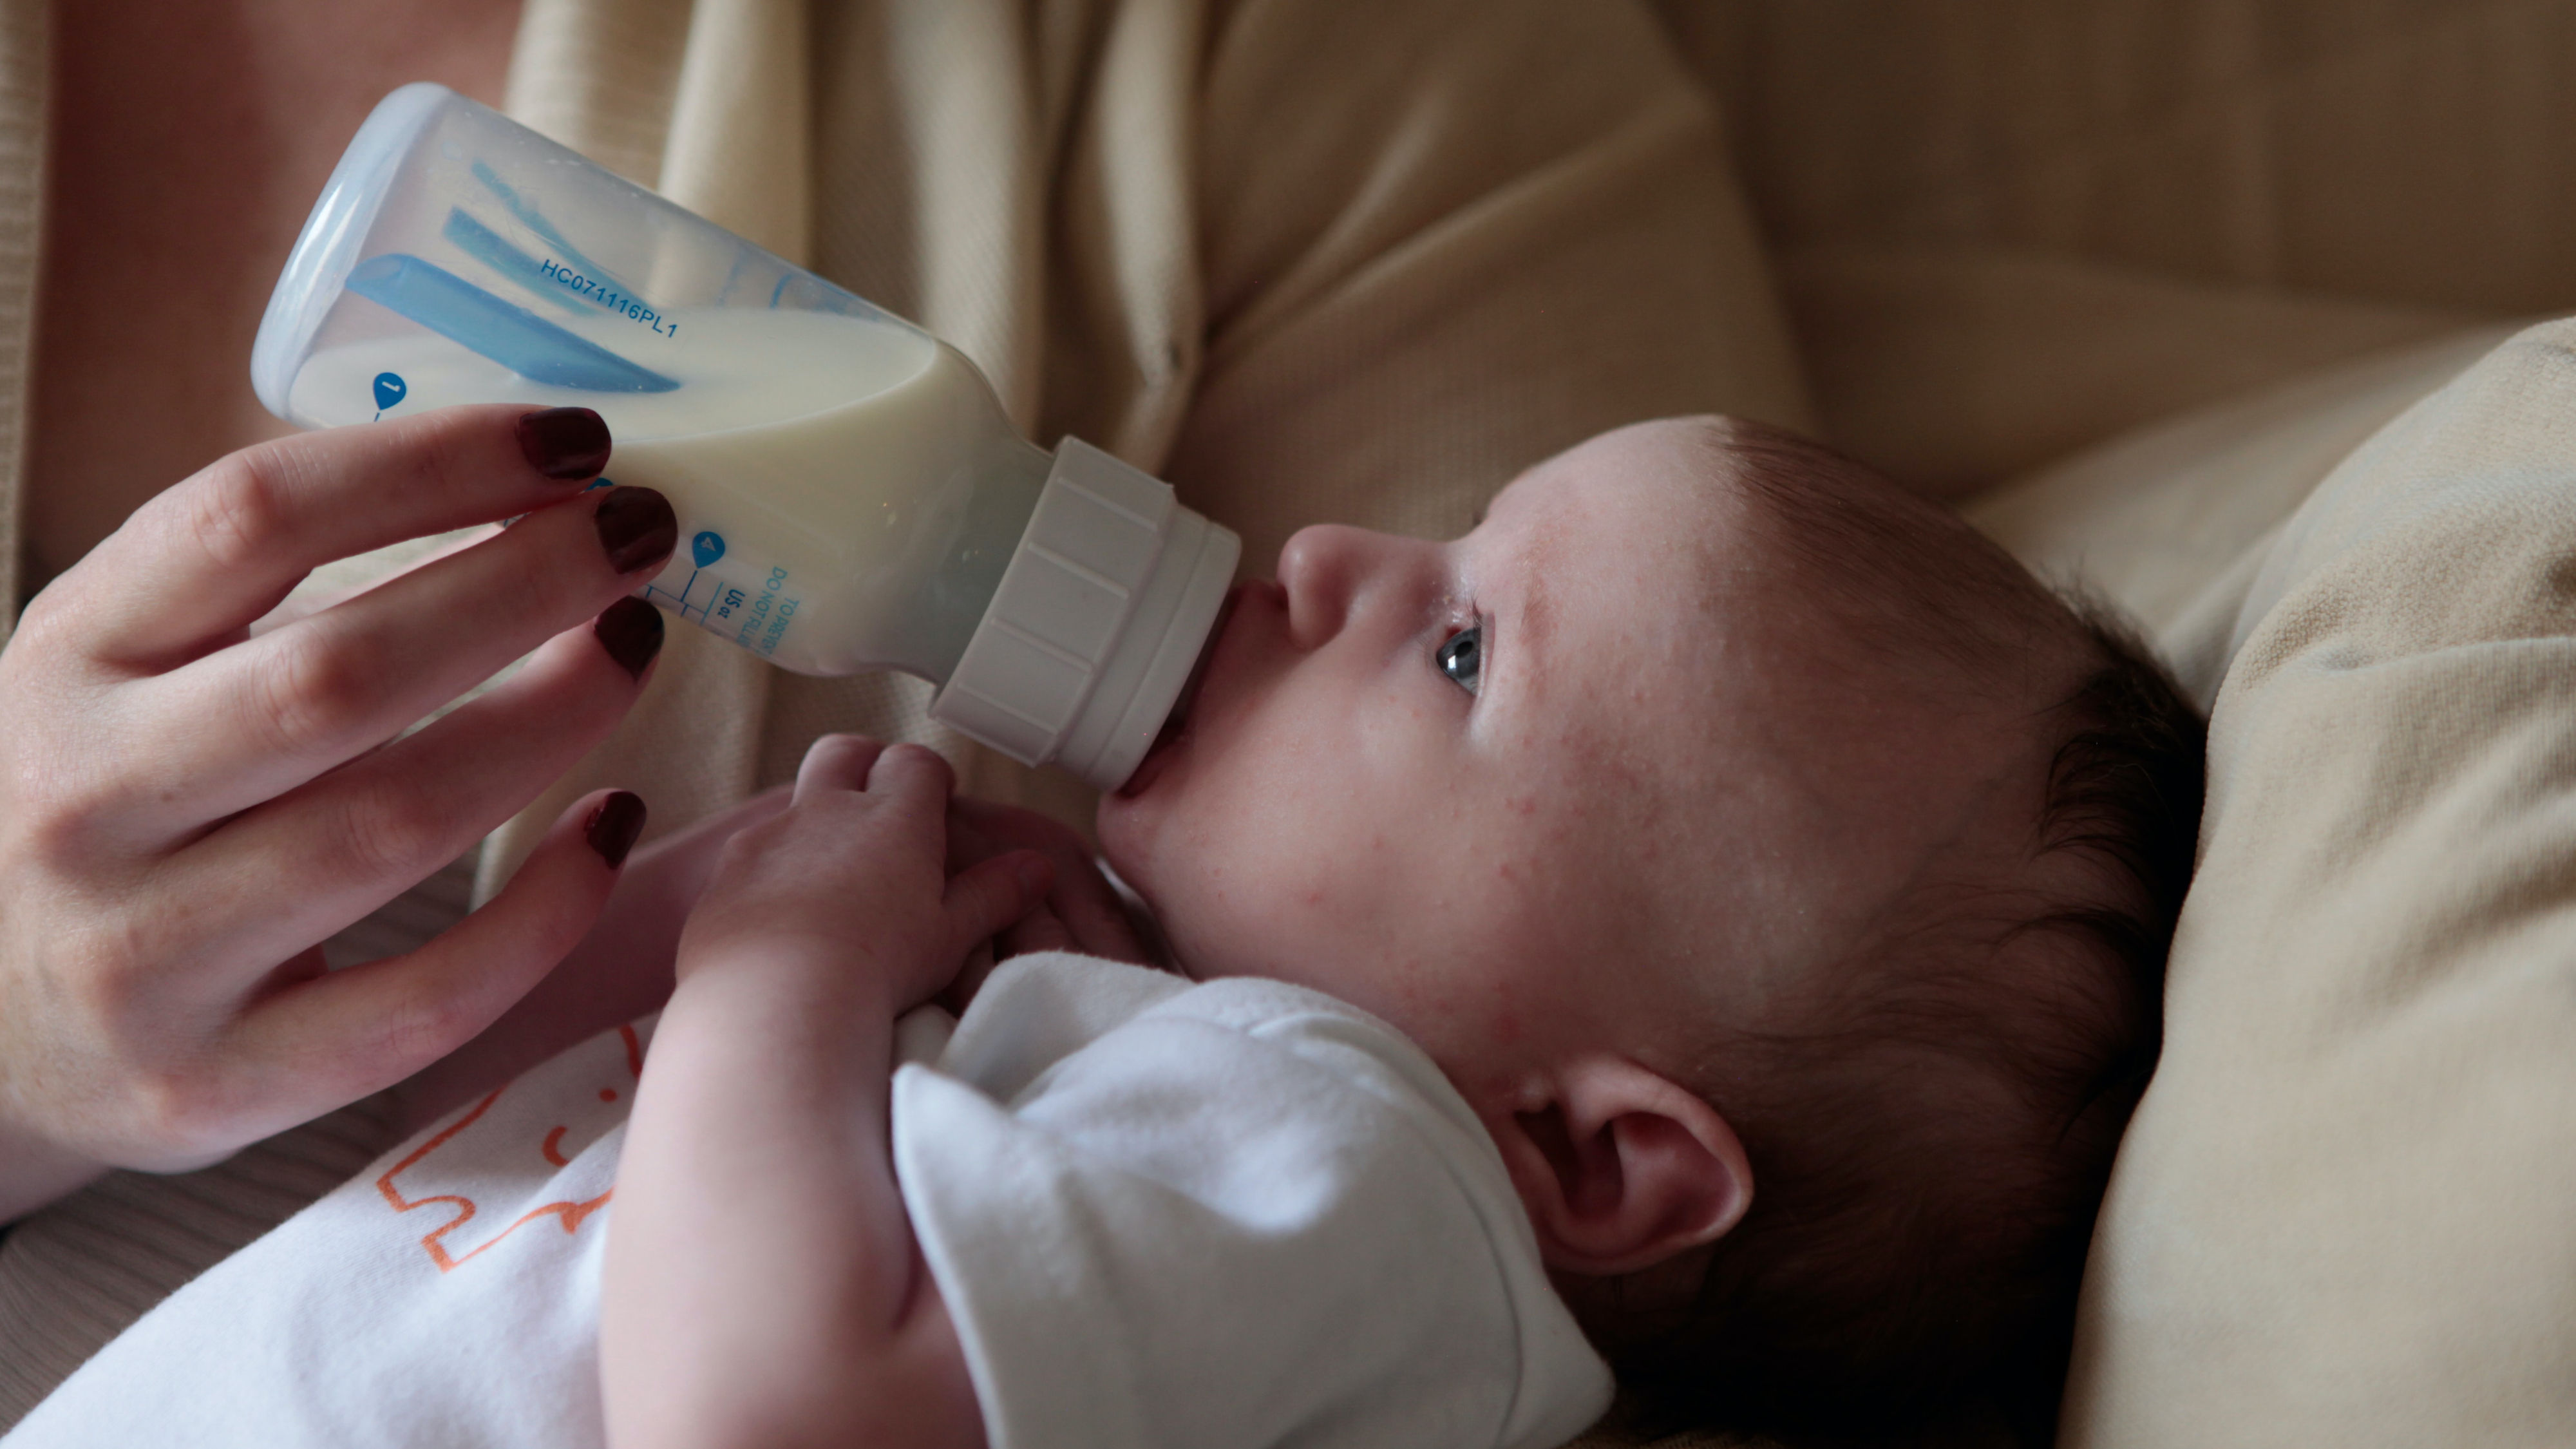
point(704, 549)
point(487, 246)
point(680, 604)
point(505, 332)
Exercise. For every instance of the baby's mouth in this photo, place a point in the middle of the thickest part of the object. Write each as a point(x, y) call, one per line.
point(1177, 725)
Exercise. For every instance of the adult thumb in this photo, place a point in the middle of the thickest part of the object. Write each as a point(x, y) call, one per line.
point(991, 896)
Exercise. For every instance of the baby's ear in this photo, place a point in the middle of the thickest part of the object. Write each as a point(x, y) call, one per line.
point(1619, 1167)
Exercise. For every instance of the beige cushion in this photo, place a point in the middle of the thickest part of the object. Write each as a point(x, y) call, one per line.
point(1950, 369)
point(2167, 522)
point(2346, 1213)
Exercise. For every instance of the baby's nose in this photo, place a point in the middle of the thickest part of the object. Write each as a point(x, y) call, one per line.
point(1320, 569)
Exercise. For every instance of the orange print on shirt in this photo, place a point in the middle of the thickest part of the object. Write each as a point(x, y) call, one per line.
point(570, 1215)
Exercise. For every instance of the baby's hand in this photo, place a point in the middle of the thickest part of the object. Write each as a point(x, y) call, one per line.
point(851, 885)
point(1082, 911)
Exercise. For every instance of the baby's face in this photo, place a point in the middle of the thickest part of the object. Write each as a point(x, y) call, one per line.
point(1466, 785)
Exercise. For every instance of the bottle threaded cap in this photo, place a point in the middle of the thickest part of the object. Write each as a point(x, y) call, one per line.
point(1098, 620)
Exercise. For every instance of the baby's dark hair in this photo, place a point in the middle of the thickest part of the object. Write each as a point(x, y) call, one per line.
point(1907, 1257)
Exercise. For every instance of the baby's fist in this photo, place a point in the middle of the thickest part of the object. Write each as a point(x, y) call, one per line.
point(850, 883)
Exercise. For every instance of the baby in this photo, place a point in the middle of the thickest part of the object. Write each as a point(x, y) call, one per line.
point(1710, 917)
point(1778, 871)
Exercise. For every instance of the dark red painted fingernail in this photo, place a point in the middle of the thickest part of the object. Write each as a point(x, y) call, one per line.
point(564, 443)
point(612, 828)
point(631, 631)
point(637, 528)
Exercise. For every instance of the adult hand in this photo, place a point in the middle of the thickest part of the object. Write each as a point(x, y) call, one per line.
point(620, 971)
point(186, 810)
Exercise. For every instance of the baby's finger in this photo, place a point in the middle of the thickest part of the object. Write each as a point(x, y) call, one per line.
point(1082, 904)
point(1039, 930)
point(353, 1032)
point(1092, 913)
point(915, 777)
point(980, 828)
point(960, 992)
point(219, 549)
point(1097, 924)
point(985, 900)
point(836, 762)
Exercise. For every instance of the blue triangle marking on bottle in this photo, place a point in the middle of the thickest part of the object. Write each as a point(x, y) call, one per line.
point(706, 548)
point(389, 389)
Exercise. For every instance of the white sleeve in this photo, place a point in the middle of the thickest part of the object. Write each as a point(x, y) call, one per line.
point(1231, 1214)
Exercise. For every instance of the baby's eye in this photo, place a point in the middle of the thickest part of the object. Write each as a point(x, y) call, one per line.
point(1462, 656)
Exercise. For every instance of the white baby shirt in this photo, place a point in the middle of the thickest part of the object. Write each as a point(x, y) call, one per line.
point(1232, 1213)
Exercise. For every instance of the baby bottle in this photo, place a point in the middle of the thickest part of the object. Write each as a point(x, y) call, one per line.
point(850, 494)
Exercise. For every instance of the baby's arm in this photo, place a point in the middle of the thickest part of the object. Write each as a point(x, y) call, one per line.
point(763, 1284)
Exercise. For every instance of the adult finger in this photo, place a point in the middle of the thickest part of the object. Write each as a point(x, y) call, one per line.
point(835, 762)
point(248, 723)
point(305, 602)
point(620, 971)
point(360, 835)
point(223, 546)
point(356, 1031)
